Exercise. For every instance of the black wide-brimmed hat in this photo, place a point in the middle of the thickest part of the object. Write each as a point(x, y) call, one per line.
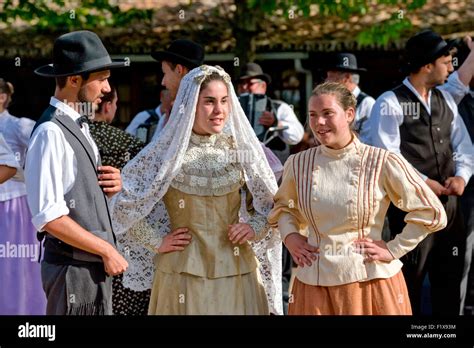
point(182, 51)
point(253, 70)
point(76, 53)
point(423, 48)
point(344, 62)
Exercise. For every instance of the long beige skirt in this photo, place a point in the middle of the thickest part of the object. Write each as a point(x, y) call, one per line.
point(373, 297)
point(179, 294)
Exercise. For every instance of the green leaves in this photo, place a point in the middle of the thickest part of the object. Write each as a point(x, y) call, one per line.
point(384, 32)
point(378, 33)
point(54, 15)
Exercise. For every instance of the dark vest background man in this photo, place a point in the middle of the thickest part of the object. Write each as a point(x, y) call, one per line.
point(344, 70)
point(423, 124)
point(66, 185)
point(149, 123)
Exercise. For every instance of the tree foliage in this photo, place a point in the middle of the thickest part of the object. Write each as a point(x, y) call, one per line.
point(382, 32)
point(56, 15)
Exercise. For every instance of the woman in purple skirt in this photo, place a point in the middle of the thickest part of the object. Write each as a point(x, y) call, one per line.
point(20, 278)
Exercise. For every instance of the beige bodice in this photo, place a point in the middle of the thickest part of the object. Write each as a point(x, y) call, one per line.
point(205, 198)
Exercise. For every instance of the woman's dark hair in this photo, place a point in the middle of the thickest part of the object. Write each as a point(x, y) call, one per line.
point(344, 97)
point(212, 77)
point(6, 87)
point(108, 97)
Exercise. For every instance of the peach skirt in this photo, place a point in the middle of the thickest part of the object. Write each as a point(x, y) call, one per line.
point(373, 297)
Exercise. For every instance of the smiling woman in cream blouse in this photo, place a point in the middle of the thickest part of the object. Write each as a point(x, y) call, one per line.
point(340, 192)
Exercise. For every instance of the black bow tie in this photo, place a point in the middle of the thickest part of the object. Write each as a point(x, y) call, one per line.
point(81, 120)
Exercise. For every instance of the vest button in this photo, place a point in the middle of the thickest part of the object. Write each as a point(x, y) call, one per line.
point(438, 129)
point(441, 141)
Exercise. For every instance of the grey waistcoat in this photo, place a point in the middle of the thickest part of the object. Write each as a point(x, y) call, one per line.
point(86, 201)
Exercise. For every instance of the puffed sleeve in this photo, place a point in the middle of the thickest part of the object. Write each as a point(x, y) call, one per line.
point(407, 191)
point(286, 215)
point(7, 157)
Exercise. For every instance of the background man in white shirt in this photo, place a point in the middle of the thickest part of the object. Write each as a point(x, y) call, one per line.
point(67, 186)
point(148, 123)
point(345, 70)
point(422, 123)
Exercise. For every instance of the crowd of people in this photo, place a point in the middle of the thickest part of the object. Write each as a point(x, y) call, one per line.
point(200, 206)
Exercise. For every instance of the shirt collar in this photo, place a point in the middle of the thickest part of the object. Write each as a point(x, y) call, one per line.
point(407, 83)
point(352, 147)
point(64, 108)
point(158, 111)
point(356, 91)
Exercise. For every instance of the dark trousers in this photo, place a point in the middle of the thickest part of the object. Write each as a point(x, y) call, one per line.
point(441, 255)
point(76, 290)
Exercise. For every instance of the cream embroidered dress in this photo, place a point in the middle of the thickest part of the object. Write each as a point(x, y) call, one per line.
point(212, 275)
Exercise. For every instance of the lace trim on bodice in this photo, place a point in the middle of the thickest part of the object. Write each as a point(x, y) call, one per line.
point(208, 169)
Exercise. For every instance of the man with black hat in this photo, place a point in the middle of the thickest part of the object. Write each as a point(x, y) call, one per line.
point(422, 123)
point(265, 113)
point(176, 61)
point(66, 185)
point(344, 70)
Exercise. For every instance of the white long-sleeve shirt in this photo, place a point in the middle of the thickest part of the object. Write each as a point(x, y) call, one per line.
point(16, 132)
point(8, 158)
point(362, 116)
point(51, 167)
point(141, 117)
point(385, 131)
point(286, 117)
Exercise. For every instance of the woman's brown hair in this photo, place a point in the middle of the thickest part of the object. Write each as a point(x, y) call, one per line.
point(344, 97)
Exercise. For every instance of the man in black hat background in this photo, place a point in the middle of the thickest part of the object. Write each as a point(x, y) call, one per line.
point(66, 185)
point(344, 70)
point(277, 113)
point(176, 61)
point(419, 119)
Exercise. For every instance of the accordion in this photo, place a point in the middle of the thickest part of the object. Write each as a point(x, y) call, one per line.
point(254, 105)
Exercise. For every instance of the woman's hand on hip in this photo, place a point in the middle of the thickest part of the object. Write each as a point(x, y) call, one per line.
point(373, 250)
point(302, 252)
point(240, 233)
point(177, 240)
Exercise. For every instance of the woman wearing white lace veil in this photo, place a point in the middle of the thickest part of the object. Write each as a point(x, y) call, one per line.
point(198, 174)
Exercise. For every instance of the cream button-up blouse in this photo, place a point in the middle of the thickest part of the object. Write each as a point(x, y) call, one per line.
point(343, 195)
